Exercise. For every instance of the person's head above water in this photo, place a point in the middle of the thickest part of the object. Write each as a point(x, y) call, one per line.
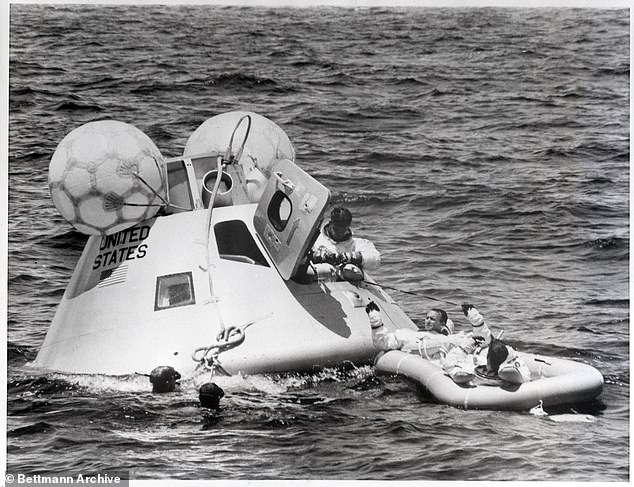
point(338, 227)
point(437, 320)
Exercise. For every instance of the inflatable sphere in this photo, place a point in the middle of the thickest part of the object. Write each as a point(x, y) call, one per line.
point(266, 144)
point(105, 176)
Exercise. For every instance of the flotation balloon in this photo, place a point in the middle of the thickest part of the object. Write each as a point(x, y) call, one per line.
point(266, 143)
point(105, 176)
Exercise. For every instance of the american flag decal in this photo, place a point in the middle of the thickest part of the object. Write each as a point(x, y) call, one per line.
point(116, 275)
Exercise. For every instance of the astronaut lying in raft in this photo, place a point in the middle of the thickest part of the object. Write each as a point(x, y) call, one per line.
point(459, 354)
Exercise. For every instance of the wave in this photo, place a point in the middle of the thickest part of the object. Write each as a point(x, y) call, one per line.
point(579, 92)
point(617, 380)
point(31, 429)
point(73, 106)
point(335, 80)
point(233, 81)
point(24, 279)
point(145, 88)
point(620, 303)
point(411, 81)
point(18, 159)
point(445, 37)
point(376, 198)
point(241, 80)
point(600, 180)
point(548, 124)
point(312, 60)
point(606, 249)
point(58, 292)
point(27, 68)
point(18, 352)
point(39, 385)
point(589, 210)
point(608, 243)
point(28, 91)
point(71, 239)
point(105, 82)
point(158, 132)
point(611, 248)
point(615, 71)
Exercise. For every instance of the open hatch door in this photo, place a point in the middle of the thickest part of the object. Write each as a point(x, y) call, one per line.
point(288, 215)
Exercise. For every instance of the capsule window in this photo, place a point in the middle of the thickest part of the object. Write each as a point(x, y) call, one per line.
point(174, 290)
point(179, 192)
point(236, 243)
point(279, 211)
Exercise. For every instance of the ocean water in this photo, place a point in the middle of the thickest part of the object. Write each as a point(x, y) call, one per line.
point(484, 151)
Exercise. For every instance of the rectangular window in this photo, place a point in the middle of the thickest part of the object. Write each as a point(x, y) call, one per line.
point(178, 187)
point(236, 243)
point(174, 290)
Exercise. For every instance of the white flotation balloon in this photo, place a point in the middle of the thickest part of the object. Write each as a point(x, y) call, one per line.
point(105, 176)
point(266, 144)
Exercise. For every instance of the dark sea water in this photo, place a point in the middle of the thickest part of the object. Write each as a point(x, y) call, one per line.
point(486, 153)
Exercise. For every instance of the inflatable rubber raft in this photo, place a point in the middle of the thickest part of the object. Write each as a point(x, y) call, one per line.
point(554, 381)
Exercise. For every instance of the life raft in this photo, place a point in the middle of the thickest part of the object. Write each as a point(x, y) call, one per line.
point(554, 382)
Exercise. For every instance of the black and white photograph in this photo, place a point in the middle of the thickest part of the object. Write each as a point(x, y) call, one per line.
point(322, 241)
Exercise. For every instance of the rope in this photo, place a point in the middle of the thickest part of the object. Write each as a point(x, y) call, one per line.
point(152, 205)
point(228, 157)
point(163, 174)
point(212, 198)
point(226, 339)
point(207, 268)
point(147, 205)
point(138, 176)
point(156, 193)
point(412, 293)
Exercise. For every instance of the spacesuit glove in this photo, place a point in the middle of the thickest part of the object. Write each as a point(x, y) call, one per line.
point(351, 258)
point(472, 314)
point(323, 255)
point(371, 306)
point(374, 315)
